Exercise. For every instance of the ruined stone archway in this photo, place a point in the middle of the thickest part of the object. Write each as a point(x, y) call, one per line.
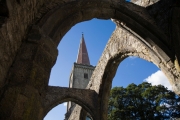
point(87, 99)
point(146, 36)
point(63, 18)
point(29, 51)
point(133, 17)
point(121, 45)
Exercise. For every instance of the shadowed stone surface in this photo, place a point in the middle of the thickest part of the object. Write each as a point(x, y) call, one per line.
point(86, 98)
point(30, 32)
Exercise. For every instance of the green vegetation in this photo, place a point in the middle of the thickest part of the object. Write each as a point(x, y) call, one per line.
point(143, 102)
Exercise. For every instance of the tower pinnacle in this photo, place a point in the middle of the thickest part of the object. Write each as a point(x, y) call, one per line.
point(83, 57)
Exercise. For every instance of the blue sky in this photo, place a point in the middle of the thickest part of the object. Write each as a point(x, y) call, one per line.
point(96, 34)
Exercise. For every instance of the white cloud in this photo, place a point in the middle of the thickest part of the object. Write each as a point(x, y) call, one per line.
point(65, 104)
point(159, 78)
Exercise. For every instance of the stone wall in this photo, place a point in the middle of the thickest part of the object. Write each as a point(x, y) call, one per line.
point(87, 99)
point(75, 114)
point(29, 41)
point(13, 31)
point(27, 79)
point(78, 75)
point(121, 45)
point(79, 80)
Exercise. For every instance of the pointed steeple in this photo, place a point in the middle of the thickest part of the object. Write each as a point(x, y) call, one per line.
point(83, 57)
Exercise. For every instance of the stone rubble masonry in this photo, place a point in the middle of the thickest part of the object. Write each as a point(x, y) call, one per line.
point(14, 31)
point(121, 45)
point(57, 95)
point(78, 80)
point(30, 32)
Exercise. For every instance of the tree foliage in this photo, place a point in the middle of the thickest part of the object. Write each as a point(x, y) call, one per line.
point(143, 102)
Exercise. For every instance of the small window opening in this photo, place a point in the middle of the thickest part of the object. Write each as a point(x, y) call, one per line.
point(86, 75)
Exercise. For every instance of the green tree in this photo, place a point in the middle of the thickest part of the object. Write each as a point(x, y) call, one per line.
point(143, 102)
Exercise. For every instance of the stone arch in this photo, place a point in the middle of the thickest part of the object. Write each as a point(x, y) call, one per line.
point(87, 99)
point(121, 45)
point(133, 16)
point(35, 54)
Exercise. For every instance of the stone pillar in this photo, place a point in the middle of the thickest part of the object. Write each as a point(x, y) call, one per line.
point(28, 78)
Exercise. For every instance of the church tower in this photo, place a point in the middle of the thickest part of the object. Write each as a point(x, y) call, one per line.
point(81, 72)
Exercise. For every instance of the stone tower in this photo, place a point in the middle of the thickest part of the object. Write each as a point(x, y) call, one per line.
point(80, 74)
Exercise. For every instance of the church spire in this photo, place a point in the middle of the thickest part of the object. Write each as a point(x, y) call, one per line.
point(83, 57)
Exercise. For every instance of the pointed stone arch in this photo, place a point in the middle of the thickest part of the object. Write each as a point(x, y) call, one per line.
point(87, 99)
point(133, 16)
point(121, 45)
point(32, 52)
